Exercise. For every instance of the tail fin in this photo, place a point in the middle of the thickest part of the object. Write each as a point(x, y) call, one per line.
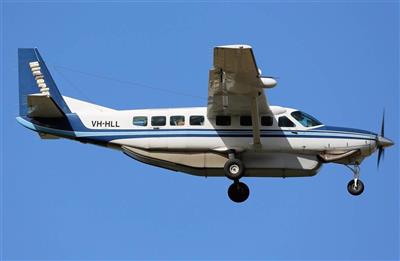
point(38, 93)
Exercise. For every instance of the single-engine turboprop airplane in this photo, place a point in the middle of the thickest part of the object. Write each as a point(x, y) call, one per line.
point(238, 133)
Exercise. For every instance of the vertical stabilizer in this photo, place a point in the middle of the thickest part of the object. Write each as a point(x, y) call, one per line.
point(35, 81)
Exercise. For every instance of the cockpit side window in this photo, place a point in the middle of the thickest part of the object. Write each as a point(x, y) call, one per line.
point(305, 119)
point(284, 121)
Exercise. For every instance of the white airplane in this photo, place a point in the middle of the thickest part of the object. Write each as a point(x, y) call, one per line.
point(238, 133)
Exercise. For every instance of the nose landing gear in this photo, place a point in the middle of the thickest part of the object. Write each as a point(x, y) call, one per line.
point(234, 169)
point(355, 186)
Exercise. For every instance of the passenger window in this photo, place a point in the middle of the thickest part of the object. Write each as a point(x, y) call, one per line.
point(158, 121)
point(196, 120)
point(285, 122)
point(223, 120)
point(245, 120)
point(266, 121)
point(140, 121)
point(177, 120)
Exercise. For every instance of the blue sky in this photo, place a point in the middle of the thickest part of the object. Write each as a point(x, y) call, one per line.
point(65, 200)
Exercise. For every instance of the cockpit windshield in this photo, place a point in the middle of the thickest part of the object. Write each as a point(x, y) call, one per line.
point(305, 119)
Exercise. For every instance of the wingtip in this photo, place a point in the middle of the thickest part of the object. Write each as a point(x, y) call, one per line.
point(235, 46)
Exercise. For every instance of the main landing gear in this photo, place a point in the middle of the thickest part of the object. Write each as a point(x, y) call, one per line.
point(355, 186)
point(234, 169)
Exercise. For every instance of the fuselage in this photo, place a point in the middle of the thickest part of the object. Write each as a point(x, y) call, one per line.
point(164, 134)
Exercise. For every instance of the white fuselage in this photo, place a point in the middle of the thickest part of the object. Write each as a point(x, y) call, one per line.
point(200, 148)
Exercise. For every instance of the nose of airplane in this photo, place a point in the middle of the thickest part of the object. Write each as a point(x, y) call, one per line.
point(384, 142)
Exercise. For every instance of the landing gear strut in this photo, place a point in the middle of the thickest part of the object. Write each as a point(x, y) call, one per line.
point(234, 169)
point(355, 186)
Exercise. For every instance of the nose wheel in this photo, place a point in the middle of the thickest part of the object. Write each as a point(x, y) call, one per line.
point(355, 187)
point(234, 169)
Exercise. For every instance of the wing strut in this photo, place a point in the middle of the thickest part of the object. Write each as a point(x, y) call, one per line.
point(255, 118)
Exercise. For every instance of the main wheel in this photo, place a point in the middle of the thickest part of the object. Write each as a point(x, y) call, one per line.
point(234, 169)
point(355, 189)
point(238, 192)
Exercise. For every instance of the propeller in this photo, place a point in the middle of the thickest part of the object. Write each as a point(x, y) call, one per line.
point(382, 142)
point(381, 151)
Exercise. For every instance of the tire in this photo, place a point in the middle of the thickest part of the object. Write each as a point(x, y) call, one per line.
point(234, 169)
point(353, 190)
point(238, 192)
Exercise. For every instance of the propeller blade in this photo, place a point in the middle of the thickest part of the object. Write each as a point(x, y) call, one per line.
point(381, 152)
point(379, 156)
point(383, 125)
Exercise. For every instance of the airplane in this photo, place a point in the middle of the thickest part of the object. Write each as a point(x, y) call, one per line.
point(239, 134)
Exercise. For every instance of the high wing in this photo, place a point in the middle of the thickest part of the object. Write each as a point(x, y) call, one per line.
point(235, 86)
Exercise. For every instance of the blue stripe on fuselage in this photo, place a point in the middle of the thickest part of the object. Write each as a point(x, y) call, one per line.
point(343, 130)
